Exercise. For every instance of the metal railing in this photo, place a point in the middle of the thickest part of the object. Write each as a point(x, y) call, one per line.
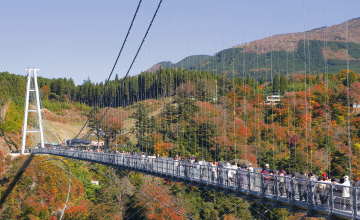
point(323, 197)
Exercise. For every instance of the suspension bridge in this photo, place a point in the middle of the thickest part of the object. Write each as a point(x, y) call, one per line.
point(254, 186)
point(179, 112)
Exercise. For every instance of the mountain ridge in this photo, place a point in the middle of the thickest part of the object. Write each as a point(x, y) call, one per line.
point(333, 33)
point(287, 46)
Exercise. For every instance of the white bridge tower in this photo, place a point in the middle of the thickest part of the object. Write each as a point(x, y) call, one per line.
point(32, 74)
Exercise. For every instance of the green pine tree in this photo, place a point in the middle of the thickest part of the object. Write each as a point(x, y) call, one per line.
point(276, 83)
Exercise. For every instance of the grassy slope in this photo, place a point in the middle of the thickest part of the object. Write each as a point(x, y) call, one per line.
point(65, 123)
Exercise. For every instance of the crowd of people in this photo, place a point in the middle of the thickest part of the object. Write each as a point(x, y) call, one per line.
point(301, 187)
point(309, 187)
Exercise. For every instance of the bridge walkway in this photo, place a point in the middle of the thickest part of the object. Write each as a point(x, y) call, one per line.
point(277, 190)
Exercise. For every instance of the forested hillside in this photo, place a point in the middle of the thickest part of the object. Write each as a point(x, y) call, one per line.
point(172, 112)
point(307, 130)
point(211, 115)
point(283, 53)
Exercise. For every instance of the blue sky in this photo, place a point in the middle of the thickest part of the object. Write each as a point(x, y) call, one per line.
point(80, 39)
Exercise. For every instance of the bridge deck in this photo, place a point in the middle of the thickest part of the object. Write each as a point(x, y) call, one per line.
point(278, 190)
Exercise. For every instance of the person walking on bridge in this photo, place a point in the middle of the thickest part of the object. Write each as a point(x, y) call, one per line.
point(313, 179)
point(267, 168)
point(281, 180)
point(220, 173)
point(302, 186)
point(265, 178)
point(345, 203)
point(203, 166)
point(213, 171)
point(251, 176)
point(322, 189)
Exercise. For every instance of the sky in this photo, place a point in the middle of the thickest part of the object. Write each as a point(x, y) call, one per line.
point(81, 39)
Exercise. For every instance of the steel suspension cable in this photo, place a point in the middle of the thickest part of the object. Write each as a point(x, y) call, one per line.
point(280, 125)
point(244, 87)
point(305, 99)
point(132, 188)
point(348, 90)
point(216, 121)
point(255, 90)
point(224, 108)
point(260, 111)
point(310, 116)
point(326, 93)
point(92, 167)
point(144, 120)
point(69, 188)
point(47, 123)
point(294, 97)
point(266, 112)
point(234, 94)
point(177, 115)
point(287, 88)
point(112, 70)
point(272, 79)
point(133, 61)
point(155, 201)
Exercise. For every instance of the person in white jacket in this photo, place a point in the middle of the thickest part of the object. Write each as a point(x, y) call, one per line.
point(234, 168)
point(346, 193)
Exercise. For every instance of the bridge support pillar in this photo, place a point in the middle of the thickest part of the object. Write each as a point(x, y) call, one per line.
point(32, 73)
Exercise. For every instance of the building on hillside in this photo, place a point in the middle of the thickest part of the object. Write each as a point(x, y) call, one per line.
point(273, 99)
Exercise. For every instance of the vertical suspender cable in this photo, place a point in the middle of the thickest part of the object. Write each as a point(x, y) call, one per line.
point(310, 116)
point(348, 89)
point(224, 107)
point(244, 86)
point(326, 92)
point(176, 75)
point(306, 110)
point(216, 121)
point(260, 110)
point(267, 113)
point(294, 96)
point(272, 79)
point(182, 113)
point(144, 115)
point(254, 89)
point(280, 125)
point(287, 86)
point(234, 94)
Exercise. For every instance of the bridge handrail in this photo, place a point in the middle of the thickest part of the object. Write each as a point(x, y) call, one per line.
point(317, 195)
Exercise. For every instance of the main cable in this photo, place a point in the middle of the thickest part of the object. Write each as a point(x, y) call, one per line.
point(112, 70)
point(127, 73)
